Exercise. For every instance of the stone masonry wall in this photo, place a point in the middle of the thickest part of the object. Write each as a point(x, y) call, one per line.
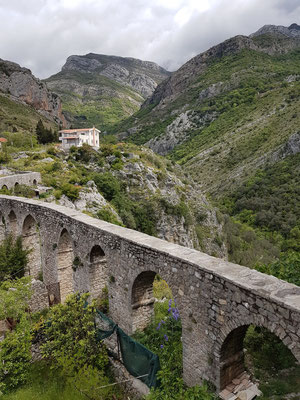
point(26, 178)
point(215, 298)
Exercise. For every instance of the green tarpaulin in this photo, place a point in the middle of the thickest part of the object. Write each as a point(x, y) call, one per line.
point(137, 359)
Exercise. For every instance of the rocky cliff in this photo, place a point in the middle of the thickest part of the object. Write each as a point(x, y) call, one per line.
point(100, 90)
point(19, 85)
point(142, 76)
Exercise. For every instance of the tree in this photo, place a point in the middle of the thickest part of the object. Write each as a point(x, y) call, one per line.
point(13, 258)
point(44, 135)
point(15, 353)
point(70, 345)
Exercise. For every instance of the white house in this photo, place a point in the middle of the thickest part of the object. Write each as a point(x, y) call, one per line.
point(76, 137)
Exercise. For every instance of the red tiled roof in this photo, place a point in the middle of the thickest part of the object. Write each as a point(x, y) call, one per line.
point(75, 130)
point(2, 139)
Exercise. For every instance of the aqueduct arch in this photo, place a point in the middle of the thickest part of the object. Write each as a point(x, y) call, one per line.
point(142, 300)
point(16, 187)
point(65, 259)
point(13, 224)
point(98, 275)
point(31, 241)
point(232, 355)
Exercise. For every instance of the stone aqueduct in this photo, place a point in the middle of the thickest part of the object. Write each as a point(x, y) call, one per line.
point(217, 300)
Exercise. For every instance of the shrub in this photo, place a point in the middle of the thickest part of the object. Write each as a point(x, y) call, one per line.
point(71, 191)
point(71, 336)
point(13, 258)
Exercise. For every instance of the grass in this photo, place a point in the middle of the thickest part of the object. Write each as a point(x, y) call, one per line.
point(283, 383)
point(17, 116)
point(44, 384)
point(112, 102)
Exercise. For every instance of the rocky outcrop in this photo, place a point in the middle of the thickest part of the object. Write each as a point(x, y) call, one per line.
point(89, 200)
point(293, 31)
point(142, 76)
point(291, 147)
point(179, 131)
point(20, 85)
point(102, 90)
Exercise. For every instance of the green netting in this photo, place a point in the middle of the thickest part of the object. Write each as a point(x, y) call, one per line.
point(137, 359)
point(104, 326)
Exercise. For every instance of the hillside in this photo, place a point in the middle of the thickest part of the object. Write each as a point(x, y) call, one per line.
point(126, 185)
point(24, 100)
point(230, 117)
point(102, 90)
point(227, 110)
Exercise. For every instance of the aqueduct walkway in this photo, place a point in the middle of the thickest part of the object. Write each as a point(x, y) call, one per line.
point(217, 300)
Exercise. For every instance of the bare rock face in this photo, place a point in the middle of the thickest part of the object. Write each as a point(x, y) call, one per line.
point(21, 85)
point(179, 131)
point(142, 76)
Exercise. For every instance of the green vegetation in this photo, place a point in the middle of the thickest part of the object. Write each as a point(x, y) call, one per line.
point(15, 353)
point(13, 259)
point(163, 337)
point(74, 364)
point(17, 117)
point(112, 103)
point(270, 201)
point(45, 135)
point(44, 383)
point(272, 364)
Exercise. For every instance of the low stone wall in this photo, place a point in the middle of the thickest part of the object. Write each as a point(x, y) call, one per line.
point(26, 178)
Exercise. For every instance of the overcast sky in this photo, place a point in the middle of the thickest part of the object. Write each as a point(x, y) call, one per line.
point(41, 34)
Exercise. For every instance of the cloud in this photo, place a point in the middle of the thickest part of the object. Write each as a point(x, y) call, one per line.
point(41, 34)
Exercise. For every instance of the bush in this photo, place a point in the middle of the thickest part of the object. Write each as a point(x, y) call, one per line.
point(13, 258)
point(108, 185)
point(25, 191)
point(71, 336)
point(15, 357)
point(107, 215)
point(69, 190)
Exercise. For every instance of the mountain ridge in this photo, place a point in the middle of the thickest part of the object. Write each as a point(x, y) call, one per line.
point(18, 84)
point(100, 90)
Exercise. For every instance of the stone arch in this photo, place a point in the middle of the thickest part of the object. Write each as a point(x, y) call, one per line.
point(142, 300)
point(13, 223)
point(16, 187)
point(65, 259)
point(31, 241)
point(34, 182)
point(97, 271)
point(4, 187)
point(232, 352)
